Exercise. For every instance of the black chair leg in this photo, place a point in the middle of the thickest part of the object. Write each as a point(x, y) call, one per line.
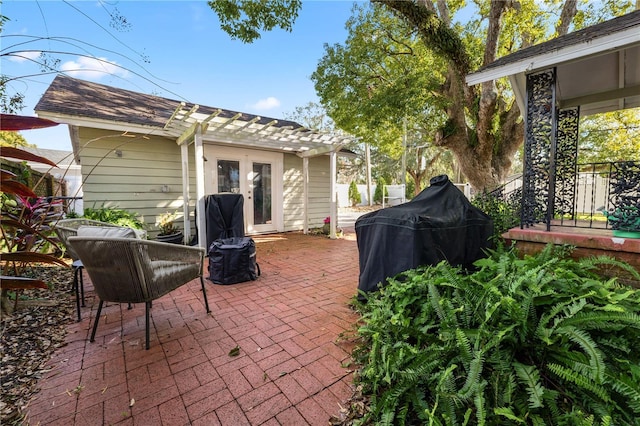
point(81, 280)
point(95, 322)
point(147, 308)
point(204, 293)
point(77, 272)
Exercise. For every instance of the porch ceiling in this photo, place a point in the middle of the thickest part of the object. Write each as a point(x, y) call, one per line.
point(239, 130)
point(597, 68)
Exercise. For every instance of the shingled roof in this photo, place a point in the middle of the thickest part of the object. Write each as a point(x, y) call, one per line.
point(80, 98)
point(85, 104)
point(583, 36)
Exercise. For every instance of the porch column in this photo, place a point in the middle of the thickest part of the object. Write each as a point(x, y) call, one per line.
point(333, 213)
point(538, 184)
point(566, 162)
point(184, 157)
point(201, 219)
point(305, 184)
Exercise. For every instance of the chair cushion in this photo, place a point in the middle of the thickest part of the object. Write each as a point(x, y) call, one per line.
point(106, 232)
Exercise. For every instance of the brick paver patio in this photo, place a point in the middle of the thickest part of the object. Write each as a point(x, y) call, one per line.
point(290, 369)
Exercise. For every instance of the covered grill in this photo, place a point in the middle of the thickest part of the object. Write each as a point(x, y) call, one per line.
point(438, 224)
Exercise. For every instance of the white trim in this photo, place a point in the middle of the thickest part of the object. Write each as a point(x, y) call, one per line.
point(605, 44)
point(104, 124)
point(245, 158)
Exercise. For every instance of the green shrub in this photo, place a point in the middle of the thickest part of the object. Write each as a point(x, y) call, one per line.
point(354, 195)
point(115, 215)
point(535, 341)
point(410, 189)
point(505, 214)
point(377, 195)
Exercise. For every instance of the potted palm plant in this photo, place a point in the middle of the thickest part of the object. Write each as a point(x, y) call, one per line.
point(169, 232)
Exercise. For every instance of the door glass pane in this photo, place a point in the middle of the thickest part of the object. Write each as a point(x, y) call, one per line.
point(229, 176)
point(261, 193)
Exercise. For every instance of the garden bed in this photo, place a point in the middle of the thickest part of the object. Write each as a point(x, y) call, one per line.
point(29, 337)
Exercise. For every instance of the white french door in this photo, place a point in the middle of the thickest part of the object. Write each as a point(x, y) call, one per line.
point(255, 174)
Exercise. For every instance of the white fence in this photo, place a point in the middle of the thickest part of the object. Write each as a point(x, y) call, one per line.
point(343, 194)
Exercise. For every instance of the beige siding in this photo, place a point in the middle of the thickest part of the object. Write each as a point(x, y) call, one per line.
point(147, 178)
point(151, 164)
point(293, 197)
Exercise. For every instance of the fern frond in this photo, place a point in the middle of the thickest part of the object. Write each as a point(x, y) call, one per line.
point(530, 377)
point(589, 347)
point(603, 320)
point(544, 330)
point(479, 402)
point(386, 419)
point(610, 261)
point(628, 389)
point(435, 302)
point(508, 413)
point(464, 346)
point(579, 380)
point(472, 383)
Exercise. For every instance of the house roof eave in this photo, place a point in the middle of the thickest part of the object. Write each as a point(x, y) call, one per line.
point(511, 65)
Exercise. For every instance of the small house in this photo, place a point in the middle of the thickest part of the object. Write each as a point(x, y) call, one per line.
point(151, 155)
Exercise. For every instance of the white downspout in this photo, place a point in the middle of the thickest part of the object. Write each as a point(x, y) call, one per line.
point(199, 158)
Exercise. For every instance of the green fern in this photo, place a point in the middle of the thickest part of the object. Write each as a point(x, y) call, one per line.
point(530, 377)
point(585, 383)
point(508, 413)
point(581, 338)
point(541, 340)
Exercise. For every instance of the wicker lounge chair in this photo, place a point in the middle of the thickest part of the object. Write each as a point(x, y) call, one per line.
point(125, 270)
point(69, 228)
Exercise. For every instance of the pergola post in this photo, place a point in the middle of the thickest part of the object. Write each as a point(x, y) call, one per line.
point(184, 157)
point(199, 159)
point(305, 184)
point(333, 210)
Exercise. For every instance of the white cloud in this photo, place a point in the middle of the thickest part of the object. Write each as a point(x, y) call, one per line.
point(94, 68)
point(23, 56)
point(268, 103)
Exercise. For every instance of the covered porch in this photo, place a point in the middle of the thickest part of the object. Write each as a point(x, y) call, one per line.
point(555, 83)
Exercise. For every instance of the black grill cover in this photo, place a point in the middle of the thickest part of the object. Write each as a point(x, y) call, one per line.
point(224, 216)
point(438, 224)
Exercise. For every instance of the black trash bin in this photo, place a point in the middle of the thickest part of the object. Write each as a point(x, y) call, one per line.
point(438, 224)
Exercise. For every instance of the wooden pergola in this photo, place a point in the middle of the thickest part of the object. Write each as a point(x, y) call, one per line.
point(187, 126)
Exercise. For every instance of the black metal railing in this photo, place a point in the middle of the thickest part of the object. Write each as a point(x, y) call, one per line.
point(595, 191)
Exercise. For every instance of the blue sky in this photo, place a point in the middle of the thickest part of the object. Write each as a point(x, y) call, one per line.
point(190, 57)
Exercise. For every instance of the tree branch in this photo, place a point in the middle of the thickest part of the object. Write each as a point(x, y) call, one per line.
point(433, 31)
